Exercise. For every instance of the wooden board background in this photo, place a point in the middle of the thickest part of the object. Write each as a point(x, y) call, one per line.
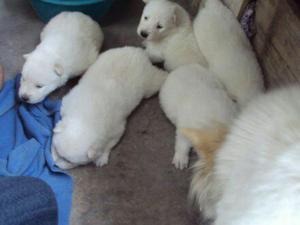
point(277, 41)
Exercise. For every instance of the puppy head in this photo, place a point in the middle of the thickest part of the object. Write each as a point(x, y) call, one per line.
point(158, 19)
point(71, 141)
point(39, 78)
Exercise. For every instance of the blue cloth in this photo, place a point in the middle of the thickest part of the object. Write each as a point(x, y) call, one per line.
point(26, 201)
point(25, 143)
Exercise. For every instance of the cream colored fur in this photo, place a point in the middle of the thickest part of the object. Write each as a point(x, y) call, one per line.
point(174, 43)
point(228, 51)
point(94, 113)
point(193, 97)
point(256, 175)
point(206, 142)
point(70, 43)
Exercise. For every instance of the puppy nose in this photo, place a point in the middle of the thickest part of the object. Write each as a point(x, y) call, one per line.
point(24, 98)
point(144, 34)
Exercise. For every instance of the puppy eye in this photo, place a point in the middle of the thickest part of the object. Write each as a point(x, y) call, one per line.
point(159, 26)
point(39, 86)
point(146, 17)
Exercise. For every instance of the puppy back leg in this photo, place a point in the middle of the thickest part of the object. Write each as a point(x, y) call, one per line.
point(60, 162)
point(182, 149)
point(101, 157)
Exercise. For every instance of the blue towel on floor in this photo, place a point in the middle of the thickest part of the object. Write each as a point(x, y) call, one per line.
point(25, 143)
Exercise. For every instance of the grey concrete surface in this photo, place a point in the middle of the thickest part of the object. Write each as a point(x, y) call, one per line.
point(139, 186)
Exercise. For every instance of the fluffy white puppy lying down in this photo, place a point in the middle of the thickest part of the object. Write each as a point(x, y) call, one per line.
point(193, 97)
point(228, 51)
point(168, 35)
point(70, 43)
point(94, 113)
point(254, 178)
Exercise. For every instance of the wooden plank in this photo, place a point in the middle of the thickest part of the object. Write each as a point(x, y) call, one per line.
point(278, 41)
point(266, 11)
point(286, 36)
point(276, 70)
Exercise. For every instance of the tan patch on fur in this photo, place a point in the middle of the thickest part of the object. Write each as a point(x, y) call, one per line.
point(207, 141)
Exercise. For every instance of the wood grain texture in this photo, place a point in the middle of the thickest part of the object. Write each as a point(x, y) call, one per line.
point(277, 42)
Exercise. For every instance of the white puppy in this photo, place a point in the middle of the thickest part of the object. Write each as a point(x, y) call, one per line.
point(228, 51)
point(168, 33)
point(70, 43)
point(256, 174)
point(94, 113)
point(193, 97)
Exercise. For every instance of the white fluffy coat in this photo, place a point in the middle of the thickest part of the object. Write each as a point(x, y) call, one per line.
point(174, 43)
point(193, 97)
point(228, 51)
point(256, 177)
point(94, 113)
point(70, 43)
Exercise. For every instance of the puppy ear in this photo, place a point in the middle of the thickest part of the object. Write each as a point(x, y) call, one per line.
point(1, 77)
point(58, 69)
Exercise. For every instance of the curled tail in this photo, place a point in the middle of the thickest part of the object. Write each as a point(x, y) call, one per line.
point(204, 188)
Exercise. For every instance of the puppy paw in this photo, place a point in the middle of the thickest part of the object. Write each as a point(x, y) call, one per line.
point(102, 160)
point(180, 161)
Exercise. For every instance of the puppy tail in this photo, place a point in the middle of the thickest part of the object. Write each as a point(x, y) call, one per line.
point(205, 188)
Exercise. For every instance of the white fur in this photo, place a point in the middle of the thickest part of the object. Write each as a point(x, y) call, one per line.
point(175, 42)
point(94, 113)
point(193, 97)
point(256, 179)
point(228, 51)
point(70, 43)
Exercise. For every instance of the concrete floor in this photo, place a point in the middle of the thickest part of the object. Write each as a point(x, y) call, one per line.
point(139, 186)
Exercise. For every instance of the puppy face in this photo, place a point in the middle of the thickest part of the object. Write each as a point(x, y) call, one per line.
point(39, 78)
point(158, 19)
